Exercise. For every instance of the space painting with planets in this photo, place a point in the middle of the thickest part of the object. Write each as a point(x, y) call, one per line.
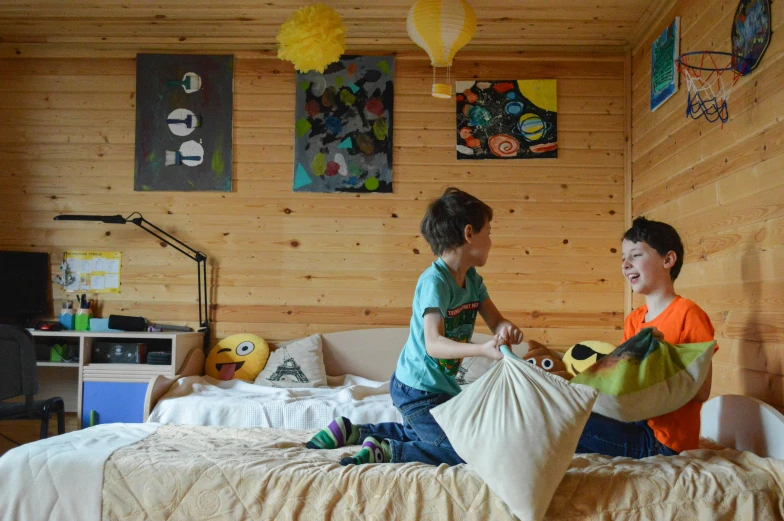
point(515, 119)
point(343, 127)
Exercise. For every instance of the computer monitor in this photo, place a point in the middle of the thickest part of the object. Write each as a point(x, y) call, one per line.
point(24, 287)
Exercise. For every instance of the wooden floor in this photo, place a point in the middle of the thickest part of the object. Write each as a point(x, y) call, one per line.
point(25, 431)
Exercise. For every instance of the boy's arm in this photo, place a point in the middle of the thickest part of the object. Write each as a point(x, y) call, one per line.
point(502, 328)
point(439, 346)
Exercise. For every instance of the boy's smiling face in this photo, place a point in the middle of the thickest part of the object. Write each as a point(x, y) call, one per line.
point(644, 268)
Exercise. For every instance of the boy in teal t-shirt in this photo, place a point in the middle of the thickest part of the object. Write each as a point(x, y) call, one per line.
point(438, 290)
point(447, 298)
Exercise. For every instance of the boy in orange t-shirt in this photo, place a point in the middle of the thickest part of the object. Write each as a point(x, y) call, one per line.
point(652, 259)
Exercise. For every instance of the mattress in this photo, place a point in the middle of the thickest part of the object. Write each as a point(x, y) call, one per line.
point(200, 473)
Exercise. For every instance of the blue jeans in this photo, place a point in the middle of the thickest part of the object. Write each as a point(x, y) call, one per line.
point(610, 437)
point(419, 437)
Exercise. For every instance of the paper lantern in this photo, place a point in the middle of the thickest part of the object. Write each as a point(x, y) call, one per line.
point(441, 28)
point(312, 38)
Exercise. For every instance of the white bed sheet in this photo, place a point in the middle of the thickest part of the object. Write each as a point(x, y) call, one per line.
point(202, 400)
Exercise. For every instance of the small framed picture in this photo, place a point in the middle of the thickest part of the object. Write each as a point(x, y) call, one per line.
point(664, 69)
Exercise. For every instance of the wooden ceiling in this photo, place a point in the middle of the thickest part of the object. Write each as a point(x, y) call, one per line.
point(253, 24)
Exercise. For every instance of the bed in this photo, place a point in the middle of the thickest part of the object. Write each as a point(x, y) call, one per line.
point(127, 472)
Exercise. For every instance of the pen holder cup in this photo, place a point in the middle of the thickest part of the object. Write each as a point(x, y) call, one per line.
point(67, 320)
point(82, 321)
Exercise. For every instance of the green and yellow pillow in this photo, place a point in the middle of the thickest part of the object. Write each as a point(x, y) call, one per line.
point(645, 377)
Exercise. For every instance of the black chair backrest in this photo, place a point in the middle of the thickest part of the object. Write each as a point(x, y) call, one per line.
point(18, 371)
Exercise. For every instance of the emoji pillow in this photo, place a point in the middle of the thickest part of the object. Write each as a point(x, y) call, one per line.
point(644, 377)
point(581, 356)
point(241, 356)
point(544, 358)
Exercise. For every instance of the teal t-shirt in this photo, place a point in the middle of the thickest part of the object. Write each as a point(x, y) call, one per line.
point(437, 289)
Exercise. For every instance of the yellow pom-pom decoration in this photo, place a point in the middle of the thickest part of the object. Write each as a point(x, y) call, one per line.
point(312, 38)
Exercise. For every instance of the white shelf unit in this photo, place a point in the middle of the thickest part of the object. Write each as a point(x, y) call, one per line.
point(179, 343)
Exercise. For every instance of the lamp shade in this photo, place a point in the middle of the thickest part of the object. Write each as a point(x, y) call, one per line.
point(441, 28)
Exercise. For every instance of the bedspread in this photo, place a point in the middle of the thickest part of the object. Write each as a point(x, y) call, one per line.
point(199, 473)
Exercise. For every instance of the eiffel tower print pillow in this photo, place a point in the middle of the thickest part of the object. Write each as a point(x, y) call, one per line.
point(298, 364)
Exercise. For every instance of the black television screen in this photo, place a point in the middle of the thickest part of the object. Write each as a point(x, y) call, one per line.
point(25, 286)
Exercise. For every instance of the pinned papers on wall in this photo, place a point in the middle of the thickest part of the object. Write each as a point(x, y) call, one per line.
point(95, 271)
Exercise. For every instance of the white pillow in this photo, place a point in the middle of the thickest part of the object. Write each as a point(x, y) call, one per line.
point(518, 427)
point(295, 364)
point(473, 367)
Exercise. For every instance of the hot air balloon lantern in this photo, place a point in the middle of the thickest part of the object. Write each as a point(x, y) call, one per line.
point(441, 28)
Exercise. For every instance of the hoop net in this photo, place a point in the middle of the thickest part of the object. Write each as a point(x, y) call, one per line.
point(708, 88)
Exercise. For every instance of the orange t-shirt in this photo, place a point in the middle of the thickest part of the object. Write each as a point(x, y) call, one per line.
point(682, 322)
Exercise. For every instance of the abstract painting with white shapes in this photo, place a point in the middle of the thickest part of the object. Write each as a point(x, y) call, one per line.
point(183, 122)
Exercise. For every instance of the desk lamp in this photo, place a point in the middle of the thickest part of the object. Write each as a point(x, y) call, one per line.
point(200, 258)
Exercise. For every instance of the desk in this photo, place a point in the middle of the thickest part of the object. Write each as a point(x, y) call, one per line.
point(115, 391)
point(59, 379)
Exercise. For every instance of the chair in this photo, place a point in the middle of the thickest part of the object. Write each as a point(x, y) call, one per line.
point(19, 377)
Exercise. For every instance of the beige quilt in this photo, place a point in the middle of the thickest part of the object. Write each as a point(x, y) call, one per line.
point(211, 473)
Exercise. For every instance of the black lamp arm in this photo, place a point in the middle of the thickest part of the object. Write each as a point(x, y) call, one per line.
point(201, 266)
point(175, 243)
point(200, 258)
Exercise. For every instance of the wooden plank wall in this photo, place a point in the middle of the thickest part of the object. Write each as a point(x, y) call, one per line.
point(284, 265)
point(723, 190)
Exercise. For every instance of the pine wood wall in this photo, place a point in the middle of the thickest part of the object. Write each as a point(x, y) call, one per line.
point(723, 190)
point(284, 265)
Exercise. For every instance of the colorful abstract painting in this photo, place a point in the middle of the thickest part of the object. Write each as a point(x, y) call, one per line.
point(343, 127)
point(513, 119)
point(664, 68)
point(183, 122)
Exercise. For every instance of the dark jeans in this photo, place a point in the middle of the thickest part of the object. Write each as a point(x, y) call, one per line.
point(419, 437)
point(610, 437)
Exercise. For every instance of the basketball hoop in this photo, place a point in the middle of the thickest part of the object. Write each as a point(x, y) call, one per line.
point(708, 89)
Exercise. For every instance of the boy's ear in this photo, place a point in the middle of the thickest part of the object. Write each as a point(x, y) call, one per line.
point(468, 233)
point(669, 259)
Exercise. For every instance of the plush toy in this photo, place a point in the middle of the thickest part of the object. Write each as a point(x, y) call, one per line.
point(544, 358)
point(581, 356)
point(241, 356)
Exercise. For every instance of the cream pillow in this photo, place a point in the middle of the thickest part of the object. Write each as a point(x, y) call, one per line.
point(295, 364)
point(473, 367)
point(518, 427)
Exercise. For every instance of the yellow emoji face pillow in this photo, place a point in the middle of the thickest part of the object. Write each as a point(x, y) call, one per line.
point(581, 356)
point(241, 356)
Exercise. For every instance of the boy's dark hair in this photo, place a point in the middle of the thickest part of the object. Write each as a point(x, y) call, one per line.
point(661, 237)
point(443, 225)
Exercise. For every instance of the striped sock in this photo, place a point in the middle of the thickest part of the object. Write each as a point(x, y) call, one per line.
point(373, 451)
point(337, 434)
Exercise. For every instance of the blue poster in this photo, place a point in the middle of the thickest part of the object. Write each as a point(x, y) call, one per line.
point(664, 71)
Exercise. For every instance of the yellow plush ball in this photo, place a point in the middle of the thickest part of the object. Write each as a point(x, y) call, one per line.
point(241, 356)
point(312, 38)
point(581, 356)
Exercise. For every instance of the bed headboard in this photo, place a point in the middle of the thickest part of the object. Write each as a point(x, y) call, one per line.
point(743, 423)
point(371, 353)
